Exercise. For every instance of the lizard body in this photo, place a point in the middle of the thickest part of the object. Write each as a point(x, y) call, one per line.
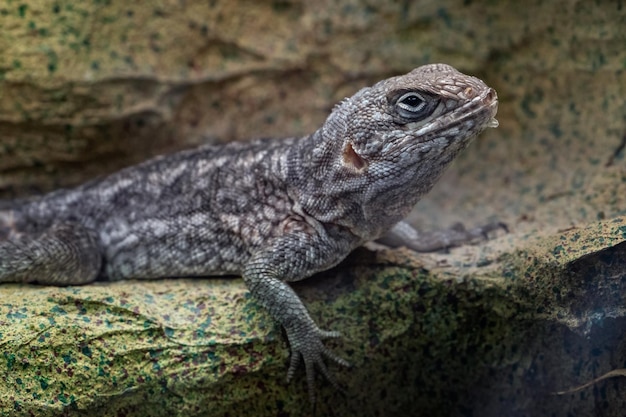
point(272, 211)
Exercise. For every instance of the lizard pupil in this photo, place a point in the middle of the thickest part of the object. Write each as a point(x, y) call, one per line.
point(412, 101)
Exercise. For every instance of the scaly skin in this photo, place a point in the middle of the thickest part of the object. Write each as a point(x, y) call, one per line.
point(273, 211)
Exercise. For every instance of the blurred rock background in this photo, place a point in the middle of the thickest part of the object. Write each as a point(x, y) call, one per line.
point(87, 87)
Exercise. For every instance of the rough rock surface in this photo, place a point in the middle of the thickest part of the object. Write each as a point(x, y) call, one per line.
point(496, 329)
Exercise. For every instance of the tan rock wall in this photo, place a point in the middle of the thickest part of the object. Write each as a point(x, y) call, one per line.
point(88, 87)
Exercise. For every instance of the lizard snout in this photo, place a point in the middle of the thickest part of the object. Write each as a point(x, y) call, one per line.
point(491, 100)
point(491, 97)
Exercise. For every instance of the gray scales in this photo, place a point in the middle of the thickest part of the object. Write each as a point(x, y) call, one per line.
point(273, 211)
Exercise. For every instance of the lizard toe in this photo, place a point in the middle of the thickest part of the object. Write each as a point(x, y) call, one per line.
point(308, 347)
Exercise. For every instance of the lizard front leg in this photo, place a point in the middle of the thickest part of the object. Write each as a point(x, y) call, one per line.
point(290, 258)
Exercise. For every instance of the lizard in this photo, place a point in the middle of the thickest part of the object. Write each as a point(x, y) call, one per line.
point(272, 211)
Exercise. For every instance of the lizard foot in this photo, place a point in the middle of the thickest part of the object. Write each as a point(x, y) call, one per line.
point(306, 345)
point(402, 234)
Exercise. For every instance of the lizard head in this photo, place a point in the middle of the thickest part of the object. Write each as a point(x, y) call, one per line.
point(390, 142)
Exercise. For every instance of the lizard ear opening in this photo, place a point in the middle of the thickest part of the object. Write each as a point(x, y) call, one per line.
point(352, 159)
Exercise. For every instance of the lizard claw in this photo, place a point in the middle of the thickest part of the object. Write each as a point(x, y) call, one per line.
point(308, 347)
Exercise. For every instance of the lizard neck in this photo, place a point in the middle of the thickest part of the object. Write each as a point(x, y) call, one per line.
point(334, 193)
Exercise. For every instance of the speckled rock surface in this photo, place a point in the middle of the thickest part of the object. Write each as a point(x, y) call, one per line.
point(495, 329)
point(423, 340)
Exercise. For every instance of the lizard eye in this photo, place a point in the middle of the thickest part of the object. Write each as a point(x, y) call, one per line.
point(411, 105)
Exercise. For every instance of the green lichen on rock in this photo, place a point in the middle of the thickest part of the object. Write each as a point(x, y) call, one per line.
point(133, 344)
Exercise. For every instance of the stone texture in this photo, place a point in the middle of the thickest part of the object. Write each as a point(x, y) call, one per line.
point(87, 87)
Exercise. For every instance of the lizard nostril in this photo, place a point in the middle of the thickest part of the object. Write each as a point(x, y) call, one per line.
point(491, 96)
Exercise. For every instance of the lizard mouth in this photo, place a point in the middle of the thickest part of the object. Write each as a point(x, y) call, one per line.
point(484, 107)
point(491, 101)
point(482, 110)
